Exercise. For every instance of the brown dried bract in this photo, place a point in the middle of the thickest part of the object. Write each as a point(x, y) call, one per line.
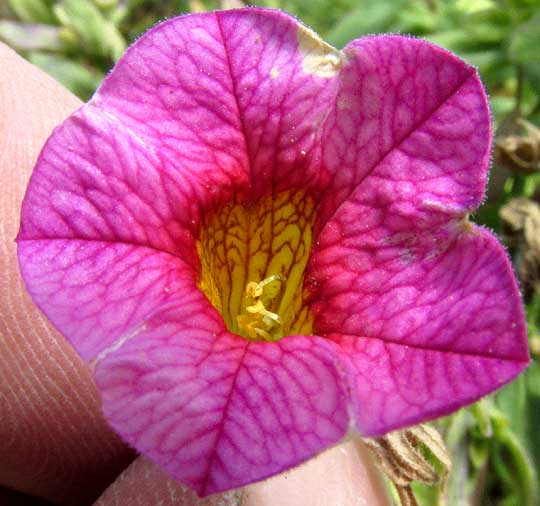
point(521, 229)
point(520, 153)
point(401, 457)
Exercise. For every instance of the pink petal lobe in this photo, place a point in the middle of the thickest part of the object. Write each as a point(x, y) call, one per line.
point(173, 89)
point(435, 316)
point(94, 292)
point(411, 120)
point(397, 385)
point(229, 92)
point(215, 410)
point(95, 180)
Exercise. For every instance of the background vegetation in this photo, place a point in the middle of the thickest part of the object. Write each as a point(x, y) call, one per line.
point(495, 444)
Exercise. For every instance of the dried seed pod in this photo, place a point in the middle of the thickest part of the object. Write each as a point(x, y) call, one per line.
point(520, 153)
point(400, 456)
point(521, 229)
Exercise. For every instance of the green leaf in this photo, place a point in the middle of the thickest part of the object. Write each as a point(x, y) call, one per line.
point(105, 5)
point(483, 59)
point(97, 34)
point(518, 4)
point(373, 16)
point(513, 465)
point(481, 412)
point(520, 403)
point(32, 11)
point(471, 6)
point(525, 43)
point(478, 452)
point(502, 105)
point(418, 18)
point(426, 495)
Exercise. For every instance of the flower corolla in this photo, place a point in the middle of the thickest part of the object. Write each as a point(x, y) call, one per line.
point(260, 243)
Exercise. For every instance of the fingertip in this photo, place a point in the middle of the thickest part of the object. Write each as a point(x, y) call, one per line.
point(55, 442)
point(144, 483)
point(343, 475)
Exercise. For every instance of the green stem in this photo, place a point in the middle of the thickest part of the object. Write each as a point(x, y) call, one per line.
point(521, 478)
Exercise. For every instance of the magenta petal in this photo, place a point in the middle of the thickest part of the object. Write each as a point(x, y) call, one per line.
point(397, 385)
point(227, 92)
point(443, 310)
point(411, 291)
point(94, 291)
point(95, 180)
point(215, 410)
point(411, 120)
point(173, 90)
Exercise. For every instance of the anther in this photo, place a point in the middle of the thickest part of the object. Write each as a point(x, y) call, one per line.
point(255, 290)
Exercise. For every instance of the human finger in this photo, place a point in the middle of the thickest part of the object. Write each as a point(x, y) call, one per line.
point(342, 475)
point(55, 442)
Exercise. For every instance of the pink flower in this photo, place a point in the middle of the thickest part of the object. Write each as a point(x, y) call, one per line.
point(260, 243)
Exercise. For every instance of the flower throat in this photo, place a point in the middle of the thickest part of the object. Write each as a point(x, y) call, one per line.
point(253, 258)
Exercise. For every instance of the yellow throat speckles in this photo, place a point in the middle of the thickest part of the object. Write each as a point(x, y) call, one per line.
point(269, 240)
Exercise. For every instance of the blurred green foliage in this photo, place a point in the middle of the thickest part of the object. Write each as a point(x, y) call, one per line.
point(496, 443)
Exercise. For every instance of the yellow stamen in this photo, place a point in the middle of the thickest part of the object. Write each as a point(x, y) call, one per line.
point(259, 321)
point(260, 309)
point(262, 333)
point(256, 289)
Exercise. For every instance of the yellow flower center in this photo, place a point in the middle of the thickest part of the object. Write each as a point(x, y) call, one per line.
point(253, 258)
